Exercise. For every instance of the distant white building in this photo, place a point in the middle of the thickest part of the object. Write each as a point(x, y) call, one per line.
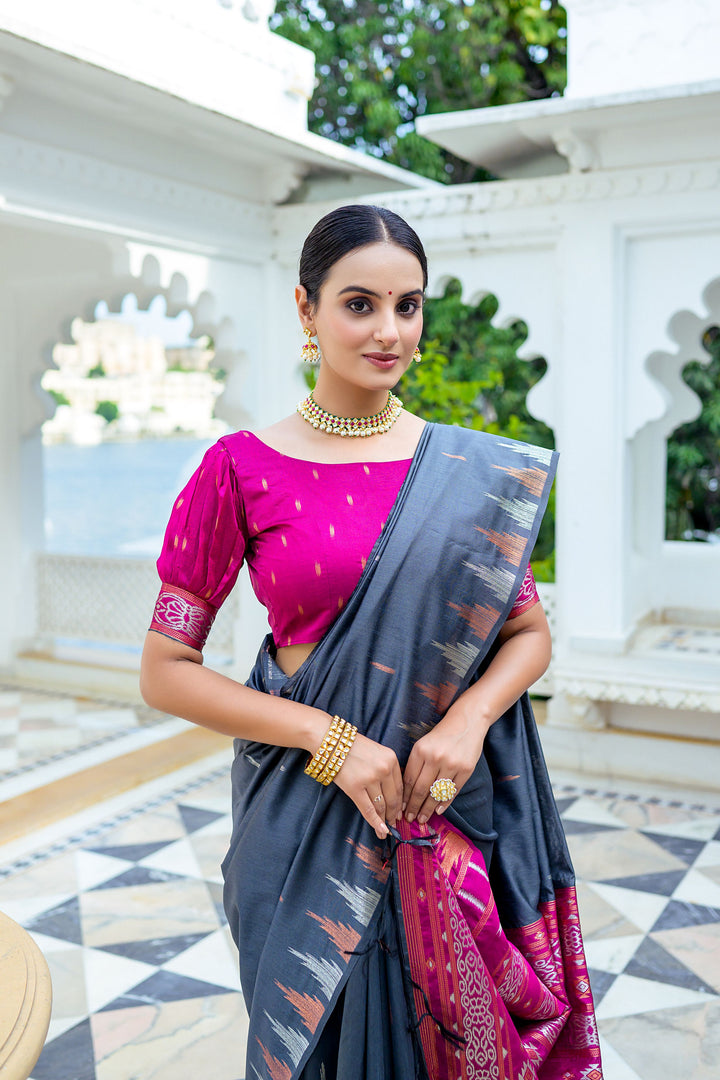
point(157, 391)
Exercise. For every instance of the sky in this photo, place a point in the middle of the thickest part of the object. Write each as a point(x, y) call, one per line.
point(154, 322)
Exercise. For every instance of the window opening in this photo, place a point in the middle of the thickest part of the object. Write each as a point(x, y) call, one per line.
point(692, 497)
point(135, 394)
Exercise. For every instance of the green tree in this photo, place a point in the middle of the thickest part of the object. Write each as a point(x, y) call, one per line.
point(692, 507)
point(381, 65)
point(471, 375)
point(108, 410)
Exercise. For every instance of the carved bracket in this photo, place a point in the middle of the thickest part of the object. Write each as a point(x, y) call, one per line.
point(577, 148)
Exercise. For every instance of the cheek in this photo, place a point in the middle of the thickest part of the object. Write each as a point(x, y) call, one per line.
point(347, 329)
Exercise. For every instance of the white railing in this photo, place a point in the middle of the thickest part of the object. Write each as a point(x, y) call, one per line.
point(546, 591)
point(86, 601)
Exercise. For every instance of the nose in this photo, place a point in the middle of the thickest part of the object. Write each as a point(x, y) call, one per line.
point(386, 332)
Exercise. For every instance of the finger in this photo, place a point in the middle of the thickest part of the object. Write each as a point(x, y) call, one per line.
point(387, 803)
point(428, 808)
point(419, 792)
point(410, 778)
point(373, 818)
point(380, 806)
point(392, 793)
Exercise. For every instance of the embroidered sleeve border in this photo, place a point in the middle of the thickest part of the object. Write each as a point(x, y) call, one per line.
point(182, 616)
point(526, 598)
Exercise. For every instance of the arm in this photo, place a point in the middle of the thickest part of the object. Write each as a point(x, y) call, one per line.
point(174, 680)
point(453, 748)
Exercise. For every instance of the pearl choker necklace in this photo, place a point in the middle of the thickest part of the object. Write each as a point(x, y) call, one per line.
point(354, 426)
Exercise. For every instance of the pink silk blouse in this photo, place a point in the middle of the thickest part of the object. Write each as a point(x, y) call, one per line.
point(304, 528)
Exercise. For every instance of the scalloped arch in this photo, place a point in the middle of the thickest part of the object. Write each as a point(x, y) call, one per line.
point(686, 329)
point(146, 287)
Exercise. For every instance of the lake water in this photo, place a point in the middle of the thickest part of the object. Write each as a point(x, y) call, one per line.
point(115, 498)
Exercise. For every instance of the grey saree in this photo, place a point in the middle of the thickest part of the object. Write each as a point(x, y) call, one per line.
point(453, 950)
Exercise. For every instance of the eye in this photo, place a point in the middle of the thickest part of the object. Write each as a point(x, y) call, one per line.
point(359, 305)
point(408, 307)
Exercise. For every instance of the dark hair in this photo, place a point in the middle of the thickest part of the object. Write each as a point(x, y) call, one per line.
point(346, 229)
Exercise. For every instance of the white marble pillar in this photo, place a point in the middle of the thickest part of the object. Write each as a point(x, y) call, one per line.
point(592, 526)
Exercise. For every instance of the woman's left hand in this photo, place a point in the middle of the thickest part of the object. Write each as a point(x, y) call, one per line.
point(449, 752)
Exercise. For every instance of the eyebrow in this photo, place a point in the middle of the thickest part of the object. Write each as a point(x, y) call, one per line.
point(371, 292)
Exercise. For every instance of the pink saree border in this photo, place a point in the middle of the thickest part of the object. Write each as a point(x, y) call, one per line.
point(519, 998)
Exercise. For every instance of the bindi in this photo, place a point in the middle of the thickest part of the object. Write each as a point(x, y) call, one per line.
point(389, 292)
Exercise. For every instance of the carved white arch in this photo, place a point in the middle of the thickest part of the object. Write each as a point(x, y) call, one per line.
point(515, 303)
point(182, 291)
point(686, 329)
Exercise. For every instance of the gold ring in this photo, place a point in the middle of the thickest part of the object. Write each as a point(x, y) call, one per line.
point(443, 790)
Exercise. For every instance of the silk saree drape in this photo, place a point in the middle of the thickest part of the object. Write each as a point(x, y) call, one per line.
point(453, 951)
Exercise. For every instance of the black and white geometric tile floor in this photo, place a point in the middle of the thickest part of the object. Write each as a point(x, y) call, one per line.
point(125, 903)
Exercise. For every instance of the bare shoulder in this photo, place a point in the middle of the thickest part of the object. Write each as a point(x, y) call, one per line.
point(291, 436)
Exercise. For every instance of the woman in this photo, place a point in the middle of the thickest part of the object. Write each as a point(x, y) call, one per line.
point(412, 914)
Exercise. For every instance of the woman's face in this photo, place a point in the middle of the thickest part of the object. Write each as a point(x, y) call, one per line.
point(368, 319)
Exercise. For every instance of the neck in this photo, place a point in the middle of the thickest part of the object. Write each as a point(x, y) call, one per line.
point(349, 401)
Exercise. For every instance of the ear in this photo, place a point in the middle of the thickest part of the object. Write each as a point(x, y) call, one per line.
point(305, 308)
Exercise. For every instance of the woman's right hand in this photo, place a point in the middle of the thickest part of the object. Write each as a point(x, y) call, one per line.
point(371, 777)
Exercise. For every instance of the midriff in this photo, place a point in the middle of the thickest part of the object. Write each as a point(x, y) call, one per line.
point(291, 657)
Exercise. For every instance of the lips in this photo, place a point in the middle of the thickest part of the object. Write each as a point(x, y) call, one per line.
point(381, 359)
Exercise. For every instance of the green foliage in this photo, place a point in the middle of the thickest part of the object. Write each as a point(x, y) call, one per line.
point(108, 410)
point(58, 397)
point(692, 500)
point(381, 65)
point(431, 391)
point(471, 376)
point(98, 372)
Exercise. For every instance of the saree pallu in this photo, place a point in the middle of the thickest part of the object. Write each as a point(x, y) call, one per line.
point(453, 951)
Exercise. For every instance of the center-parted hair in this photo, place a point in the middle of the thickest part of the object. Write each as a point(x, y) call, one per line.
point(346, 229)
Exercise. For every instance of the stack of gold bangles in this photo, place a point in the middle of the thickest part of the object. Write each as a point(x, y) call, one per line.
point(328, 759)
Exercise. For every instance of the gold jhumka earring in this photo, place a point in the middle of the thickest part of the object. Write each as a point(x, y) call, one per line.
point(310, 351)
point(417, 355)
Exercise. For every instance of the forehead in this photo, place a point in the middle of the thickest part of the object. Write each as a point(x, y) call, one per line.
point(375, 266)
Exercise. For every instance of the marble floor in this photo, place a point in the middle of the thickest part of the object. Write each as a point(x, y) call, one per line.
point(124, 900)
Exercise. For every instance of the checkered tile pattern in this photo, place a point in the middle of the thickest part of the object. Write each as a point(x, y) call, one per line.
point(145, 979)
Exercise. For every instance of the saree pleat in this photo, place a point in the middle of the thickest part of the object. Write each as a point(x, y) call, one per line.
point(335, 960)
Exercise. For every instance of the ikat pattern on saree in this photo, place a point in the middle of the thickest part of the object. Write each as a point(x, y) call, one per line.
point(520, 998)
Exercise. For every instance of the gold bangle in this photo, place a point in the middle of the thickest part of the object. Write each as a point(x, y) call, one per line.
point(338, 759)
point(329, 757)
point(326, 749)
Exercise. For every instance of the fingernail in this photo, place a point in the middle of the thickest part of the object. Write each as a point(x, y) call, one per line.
point(422, 819)
point(411, 817)
point(440, 810)
point(403, 807)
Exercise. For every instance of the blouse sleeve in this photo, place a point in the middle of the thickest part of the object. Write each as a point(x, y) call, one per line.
point(203, 551)
point(527, 596)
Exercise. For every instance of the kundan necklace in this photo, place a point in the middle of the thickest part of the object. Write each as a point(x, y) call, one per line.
point(354, 426)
